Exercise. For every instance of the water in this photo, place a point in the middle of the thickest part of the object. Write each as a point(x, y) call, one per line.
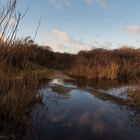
point(72, 112)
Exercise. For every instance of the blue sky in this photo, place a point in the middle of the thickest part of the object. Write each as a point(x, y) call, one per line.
point(72, 25)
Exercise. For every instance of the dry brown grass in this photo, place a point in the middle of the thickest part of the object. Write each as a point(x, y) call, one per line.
point(17, 96)
point(17, 100)
point(122, 64)
point(18, 93)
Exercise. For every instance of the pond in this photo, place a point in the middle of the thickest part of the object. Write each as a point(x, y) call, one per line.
point(71, 111)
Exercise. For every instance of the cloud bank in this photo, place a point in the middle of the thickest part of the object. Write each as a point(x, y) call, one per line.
point(63, 42)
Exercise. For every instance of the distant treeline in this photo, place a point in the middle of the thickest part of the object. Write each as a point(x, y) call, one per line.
point(99, 63)
point(24, 54)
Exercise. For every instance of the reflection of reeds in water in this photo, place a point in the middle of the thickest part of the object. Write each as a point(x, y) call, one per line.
point(61, 89)
point(16, 100)
point(17, 95)
point(16, 103)
point(134, 98)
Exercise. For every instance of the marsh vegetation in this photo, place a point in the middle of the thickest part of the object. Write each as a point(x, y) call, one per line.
point(25, 65)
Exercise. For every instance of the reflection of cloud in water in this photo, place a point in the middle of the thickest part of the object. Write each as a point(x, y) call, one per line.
point(60, 82)
point(79, 114)
point(100, 121)
point(57, 82)
point(56, 117)
point(53, 102)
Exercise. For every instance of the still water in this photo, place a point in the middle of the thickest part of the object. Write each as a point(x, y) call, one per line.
point(73, 112)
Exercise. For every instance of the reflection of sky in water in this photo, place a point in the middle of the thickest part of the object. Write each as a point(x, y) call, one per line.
point(79, 115)
point(120, 92)
point(56, 82)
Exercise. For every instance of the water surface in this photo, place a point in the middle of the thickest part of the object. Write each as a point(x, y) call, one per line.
point(73, 112)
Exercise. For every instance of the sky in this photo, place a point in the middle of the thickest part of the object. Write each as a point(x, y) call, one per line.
point(74, 25)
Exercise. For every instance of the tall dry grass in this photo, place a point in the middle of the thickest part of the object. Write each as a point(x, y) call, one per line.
point(122, 64)
point(17, 96)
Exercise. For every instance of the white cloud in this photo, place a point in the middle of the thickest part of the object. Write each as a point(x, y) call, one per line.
point(62, 3)
point(59, 3)
point(62, 35)
point(102, 3)
point(134, 29)
point(11, 21)
point(103, 44)
point(63, 42)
